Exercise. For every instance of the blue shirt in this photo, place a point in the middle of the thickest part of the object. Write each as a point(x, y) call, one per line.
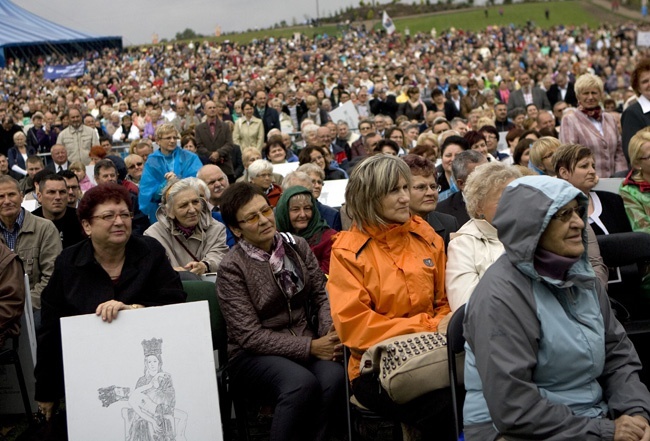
point(11, 237)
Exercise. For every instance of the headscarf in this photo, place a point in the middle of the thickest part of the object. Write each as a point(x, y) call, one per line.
point(316, 224)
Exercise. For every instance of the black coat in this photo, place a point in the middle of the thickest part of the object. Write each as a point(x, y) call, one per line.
point(386, 107)
point(449, 108)
point(79, 284)
point(613, 216)
point(271, 119)
point(632, 120)
point(454, 206)
point(443, 224)
point(553, 95)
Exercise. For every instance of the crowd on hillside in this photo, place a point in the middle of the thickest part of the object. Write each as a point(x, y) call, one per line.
point(157, 165)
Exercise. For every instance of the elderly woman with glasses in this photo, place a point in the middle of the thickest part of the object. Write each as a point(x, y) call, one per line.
point(170, 162)
point(281, 339)
point(260, 174)
point(546, 357)
point(109, 272)
point(193, 240)
point(476, 246)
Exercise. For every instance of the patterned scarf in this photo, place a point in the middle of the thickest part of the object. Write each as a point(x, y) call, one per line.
point(186, 231)
point(285, 277)
point(594, 113)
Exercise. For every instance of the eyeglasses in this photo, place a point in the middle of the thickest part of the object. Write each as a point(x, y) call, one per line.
point(644, 158)
point(111, 217)
point(424, 187)
point(137, 164)
point(254, 218)
point(566, 214)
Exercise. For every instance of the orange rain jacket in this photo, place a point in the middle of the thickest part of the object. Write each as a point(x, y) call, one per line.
point(384, 283)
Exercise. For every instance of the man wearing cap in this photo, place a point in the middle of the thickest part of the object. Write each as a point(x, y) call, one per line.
point(36, 136)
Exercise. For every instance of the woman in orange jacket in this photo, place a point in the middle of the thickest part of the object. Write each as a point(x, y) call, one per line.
point(388, 279)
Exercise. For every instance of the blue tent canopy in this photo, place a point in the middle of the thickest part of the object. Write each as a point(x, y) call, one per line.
point(23, 34)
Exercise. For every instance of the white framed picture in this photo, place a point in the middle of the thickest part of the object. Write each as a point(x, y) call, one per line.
point(148, 375)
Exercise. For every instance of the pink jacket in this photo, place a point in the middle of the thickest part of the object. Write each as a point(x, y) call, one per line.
point(577, 128)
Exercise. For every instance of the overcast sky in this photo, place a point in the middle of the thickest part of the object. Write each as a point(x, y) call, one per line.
point(136, 21)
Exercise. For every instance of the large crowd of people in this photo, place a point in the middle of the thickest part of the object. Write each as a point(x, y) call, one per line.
point(169, 152)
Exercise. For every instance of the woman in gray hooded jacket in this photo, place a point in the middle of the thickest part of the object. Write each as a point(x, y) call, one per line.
point(546, 358)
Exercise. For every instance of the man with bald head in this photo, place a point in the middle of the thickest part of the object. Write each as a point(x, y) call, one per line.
point(59, 159)
point(217, 182)
point(214, 140)
point(184, 120)
point(78, 138)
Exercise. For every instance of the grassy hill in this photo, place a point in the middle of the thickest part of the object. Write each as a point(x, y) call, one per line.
point(572, 12)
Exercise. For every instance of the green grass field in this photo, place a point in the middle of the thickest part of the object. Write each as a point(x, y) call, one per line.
point(564, 12)
point(561, 12)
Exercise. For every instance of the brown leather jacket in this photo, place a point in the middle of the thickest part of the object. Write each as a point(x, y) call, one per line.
point(259, 316)
point(12, 293)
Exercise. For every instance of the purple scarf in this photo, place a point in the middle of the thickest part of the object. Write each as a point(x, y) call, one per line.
point(276, 260)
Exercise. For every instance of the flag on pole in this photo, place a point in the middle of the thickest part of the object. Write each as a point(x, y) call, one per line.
point(387, 23)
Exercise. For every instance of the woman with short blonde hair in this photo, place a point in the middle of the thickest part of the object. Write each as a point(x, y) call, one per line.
point(592, 127)
point(541, 155)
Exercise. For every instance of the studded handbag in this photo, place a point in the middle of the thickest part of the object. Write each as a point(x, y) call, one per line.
point(411, 365)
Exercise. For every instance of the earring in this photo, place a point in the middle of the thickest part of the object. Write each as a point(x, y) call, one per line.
point(481, 216)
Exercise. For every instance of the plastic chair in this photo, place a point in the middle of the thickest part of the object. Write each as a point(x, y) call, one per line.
point(10, 356)
point(629, 252)
point(198, 290)
point(356, 412)
point(455, 346)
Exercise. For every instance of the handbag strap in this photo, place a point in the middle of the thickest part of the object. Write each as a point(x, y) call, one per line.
point(196, 259)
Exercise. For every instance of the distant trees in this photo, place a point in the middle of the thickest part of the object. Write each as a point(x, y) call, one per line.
point(187, 34)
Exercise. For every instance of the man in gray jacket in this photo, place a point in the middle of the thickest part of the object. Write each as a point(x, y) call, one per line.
point(34, 239)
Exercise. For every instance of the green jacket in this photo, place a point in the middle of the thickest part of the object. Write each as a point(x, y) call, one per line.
point(636, 197)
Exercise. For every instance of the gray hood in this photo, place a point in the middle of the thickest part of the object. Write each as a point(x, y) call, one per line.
point(525, 210)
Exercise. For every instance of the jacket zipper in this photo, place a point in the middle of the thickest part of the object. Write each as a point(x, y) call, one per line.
point(288, 302)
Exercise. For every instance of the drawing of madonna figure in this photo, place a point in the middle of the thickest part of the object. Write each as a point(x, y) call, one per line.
point(152, 415)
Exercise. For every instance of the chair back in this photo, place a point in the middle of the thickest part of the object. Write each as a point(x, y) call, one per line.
point(455, 339)
point(198, 290)
point(28, 321)
point(609, 184)
point(455, 345)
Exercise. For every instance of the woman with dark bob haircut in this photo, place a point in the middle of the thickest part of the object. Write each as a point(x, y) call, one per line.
point(318, 156)
point(109, 272)
point(281, 339)
point(276, 153)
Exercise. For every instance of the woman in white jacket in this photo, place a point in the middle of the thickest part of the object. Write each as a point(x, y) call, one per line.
point(475, 247)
